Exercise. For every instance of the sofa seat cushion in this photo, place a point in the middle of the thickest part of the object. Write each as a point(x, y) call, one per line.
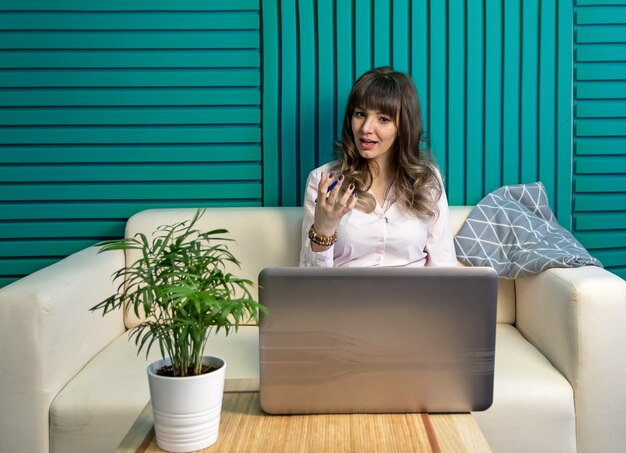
point(97, 407)
point(533, 408)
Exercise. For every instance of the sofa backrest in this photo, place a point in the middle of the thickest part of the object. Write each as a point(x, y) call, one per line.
point(269, 237)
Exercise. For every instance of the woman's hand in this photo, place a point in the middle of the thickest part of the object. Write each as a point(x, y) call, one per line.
point(330, 207)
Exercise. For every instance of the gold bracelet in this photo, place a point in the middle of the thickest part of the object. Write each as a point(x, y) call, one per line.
point(324, 241)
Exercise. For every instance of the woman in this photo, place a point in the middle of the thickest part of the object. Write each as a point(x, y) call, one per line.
point(382, 203)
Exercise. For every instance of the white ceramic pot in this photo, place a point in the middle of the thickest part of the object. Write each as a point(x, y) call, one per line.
point(187, 410)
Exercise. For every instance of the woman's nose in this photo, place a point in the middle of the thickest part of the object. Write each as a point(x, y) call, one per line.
point(368, 124)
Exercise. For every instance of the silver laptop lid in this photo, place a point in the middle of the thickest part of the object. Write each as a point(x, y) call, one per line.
point(347, 340)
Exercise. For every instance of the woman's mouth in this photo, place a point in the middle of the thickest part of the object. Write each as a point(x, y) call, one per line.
point(367, 144)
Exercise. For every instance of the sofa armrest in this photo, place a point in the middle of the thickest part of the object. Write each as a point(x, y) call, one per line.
point(577, 319)
point(47, 335)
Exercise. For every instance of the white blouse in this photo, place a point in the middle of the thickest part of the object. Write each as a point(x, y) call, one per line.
point(388, 236)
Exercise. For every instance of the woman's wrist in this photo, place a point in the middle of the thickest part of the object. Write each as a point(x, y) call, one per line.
point(320, 239)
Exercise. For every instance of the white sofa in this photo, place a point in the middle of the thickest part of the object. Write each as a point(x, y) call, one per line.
point(70, 381)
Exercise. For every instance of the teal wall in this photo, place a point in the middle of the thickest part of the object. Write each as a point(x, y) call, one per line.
point(600, 130)
point(111, 107)
point(108, 108)
point(494, 78)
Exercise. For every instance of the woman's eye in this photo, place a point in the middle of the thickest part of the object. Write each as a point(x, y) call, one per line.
point(384, 119)
point(359, 114)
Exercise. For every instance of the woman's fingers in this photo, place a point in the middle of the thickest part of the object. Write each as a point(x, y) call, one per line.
point(348, 198)
point(333, 190)
point(327, 182)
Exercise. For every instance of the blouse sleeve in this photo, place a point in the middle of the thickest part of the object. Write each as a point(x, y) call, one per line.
point(308, 258)
point(439, 244)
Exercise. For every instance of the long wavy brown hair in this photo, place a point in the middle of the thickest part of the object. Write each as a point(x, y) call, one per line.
point(415, 182)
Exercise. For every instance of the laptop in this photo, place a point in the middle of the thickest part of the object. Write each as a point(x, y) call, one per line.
point(372, 340)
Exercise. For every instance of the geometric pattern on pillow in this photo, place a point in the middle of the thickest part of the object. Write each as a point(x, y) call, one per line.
point(514, 231)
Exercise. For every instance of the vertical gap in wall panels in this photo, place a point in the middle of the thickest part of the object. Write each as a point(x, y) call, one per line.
point(547, 97)
point(475, 101)
point(511, 92)
point(493, 94)
point(439, 83)
point(456, 139)
point(326, 81)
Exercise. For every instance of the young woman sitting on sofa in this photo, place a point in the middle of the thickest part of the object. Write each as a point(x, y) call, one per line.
point(382, 203)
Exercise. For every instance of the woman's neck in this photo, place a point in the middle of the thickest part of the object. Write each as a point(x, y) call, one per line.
point(383, 179)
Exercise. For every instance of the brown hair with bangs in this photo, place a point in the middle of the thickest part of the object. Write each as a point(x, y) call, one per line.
point(416, 184)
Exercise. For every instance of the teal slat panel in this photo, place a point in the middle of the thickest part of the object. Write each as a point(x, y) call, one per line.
point(420, 57)
point(344, 29)
point(609, 258)
point(600, 90)
point(289, 98)
point(35, 248)
point(271, 89)
point(601, 34)
point(60, 97)
point(119, 20)
point(600, 109)
point(382, 33)
point(308, 95)
point(600, 71)
point(48, 154)
point(125, 5)
point(602, 165)
point(23, 266)
point(125, 172)
point(130, 191)
point(600, 127)
point(493, 94)
point(600, 221)
point(529, 141)
point(128, 115)
point(563, 200)
point(438, 85)
point(595, 240)
point(601, 184)
point(599, 2)
point(546, 99)
point(511, 93)
point(130, 78)
point(600, 145)
point(326, 82)
point(599, 52)
point(62, 229)
point(5, 281)
point(112, 59)
point(129, 41)
point(456, 102)
point(363, 60)
point(600, 15)
point(94, 209)
point(124, 135)
point(599, 202)
point(475, 113)
point(400, 29)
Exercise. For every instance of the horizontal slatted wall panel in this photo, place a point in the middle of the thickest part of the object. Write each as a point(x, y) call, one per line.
point(109, 108)
point(600, 131)
point(494, 79)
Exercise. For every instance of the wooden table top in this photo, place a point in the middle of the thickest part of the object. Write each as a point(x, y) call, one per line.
point(245, 427)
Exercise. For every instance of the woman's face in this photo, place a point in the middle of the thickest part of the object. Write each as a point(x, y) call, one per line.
point(374, 133)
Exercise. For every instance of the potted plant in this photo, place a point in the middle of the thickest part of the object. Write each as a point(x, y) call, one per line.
point(183, 292)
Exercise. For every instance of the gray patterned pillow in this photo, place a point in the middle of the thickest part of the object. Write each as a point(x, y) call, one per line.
point(514, 231)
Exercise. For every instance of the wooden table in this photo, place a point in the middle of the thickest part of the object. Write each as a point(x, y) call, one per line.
point(245, 427)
